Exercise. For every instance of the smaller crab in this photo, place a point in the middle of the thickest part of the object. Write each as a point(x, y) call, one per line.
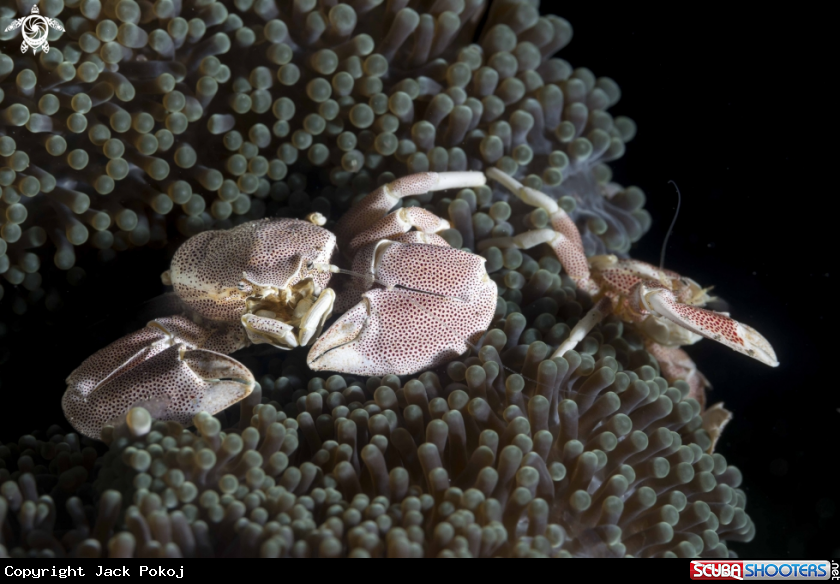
point(664, 306)
point(415, 303)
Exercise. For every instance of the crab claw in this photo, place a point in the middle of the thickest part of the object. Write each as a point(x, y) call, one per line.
point(157, 370)
point(710, 324)
point(421, 319)
point(342, 341)
point(394, 332)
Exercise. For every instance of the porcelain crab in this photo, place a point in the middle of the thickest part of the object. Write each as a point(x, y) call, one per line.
point(666, 307)
point(414, 303)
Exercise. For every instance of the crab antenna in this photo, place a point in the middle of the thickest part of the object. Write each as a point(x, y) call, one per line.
point(671, 228)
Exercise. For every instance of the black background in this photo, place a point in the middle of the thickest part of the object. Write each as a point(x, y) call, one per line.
point(736, 110)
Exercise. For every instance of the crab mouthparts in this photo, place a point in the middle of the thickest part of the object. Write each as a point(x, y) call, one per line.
point(288, 304)
point(289, 317)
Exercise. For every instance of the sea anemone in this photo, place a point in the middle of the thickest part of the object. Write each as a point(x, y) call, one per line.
point(506, 452)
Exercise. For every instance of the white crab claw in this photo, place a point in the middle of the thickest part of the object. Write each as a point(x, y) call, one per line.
point(423, 317)
point(156, 370)
point(338, 348)
point(391, 332)
point(710, 324)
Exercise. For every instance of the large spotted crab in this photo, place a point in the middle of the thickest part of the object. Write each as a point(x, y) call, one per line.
point(415, 303)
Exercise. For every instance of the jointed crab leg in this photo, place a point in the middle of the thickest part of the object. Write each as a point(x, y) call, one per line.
point(399, 222)
point(371, 208)
point(590, 320)
point(715, 419)
point(563, 237)
point(674, 363)
point(413, 317)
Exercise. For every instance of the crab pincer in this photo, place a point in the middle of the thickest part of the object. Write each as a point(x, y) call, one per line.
point(662, 302)
point(160, 368)
point(430, 303)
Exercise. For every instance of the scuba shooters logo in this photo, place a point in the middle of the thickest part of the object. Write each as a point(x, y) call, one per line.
point(35, 30)
point(761, 570)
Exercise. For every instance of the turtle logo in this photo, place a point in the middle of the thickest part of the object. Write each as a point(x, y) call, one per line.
point(35, 29)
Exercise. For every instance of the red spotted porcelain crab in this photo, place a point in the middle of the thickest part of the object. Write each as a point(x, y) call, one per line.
point(418, 303)
point(665, 307)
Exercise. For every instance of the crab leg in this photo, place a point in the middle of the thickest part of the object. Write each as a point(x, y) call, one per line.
point(420, 237)
point(157, 335)
point(715, 420)
point(712, 325)
point(343, 331)
point(175, 384)
point(376, 204)
point(584, 325)
point(398, 222)
point(674, 364)
point(563, 237)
